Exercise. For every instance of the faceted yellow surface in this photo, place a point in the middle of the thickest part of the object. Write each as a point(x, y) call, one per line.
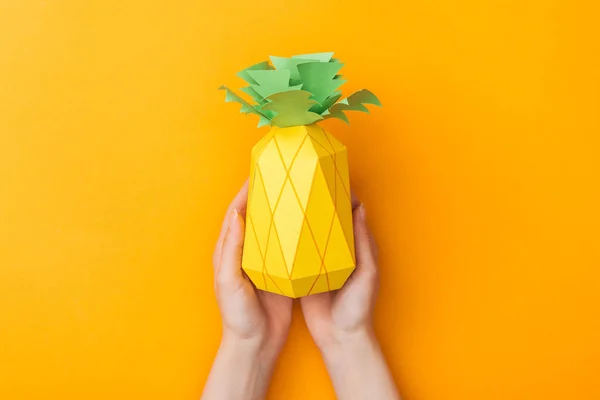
point(299, 238)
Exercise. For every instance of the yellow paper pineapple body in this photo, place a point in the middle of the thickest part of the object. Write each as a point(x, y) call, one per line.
point(299, 236)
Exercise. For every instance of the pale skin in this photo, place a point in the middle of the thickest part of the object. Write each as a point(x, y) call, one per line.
point(256, 323)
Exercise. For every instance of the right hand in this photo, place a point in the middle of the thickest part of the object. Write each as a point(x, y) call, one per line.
point(341, 324)
point(340, 316)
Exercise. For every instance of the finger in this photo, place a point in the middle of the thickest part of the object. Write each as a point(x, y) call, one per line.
point(240, 199)
point(238, 203)
point(366, 260)
point(229, 272)
point(355, 201)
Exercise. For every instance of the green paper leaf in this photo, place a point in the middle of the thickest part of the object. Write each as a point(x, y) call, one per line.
point(246, 107)
point(354, 102)
point(298, 90)
point(272, 81)
point(291, 64)
point(322, 57)
point(251, 92)
point(291, 108)
point(338, 114)
point(262, 121)
point(327, 103)
point(256, 67)
point(231, 96)
point(267, 113)
point(319, 79)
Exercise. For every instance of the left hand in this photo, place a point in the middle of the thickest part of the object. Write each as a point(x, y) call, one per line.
point(257, 318)
point(255, 323)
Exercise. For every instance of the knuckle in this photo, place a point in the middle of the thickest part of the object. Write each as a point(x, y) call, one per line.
point(221, 280)
point(220, 284)
point(370, 273)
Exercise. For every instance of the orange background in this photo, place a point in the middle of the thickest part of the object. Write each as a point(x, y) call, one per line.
point(481, 178)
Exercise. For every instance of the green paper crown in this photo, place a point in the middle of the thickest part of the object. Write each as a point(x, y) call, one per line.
point(299, 90)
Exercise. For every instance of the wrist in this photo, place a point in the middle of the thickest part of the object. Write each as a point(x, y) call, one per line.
point(357, 367)
point(345, 344)
point(249, 361)
point(254, 349)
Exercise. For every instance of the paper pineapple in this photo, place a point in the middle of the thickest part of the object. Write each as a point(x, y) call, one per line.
point(299, 236)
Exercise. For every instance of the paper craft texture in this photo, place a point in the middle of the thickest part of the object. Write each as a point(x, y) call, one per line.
point(299, 234)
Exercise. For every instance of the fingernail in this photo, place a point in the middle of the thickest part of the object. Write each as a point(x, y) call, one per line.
point(362, 212)
point(233, 217)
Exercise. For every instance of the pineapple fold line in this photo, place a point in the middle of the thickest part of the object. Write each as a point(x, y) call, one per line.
point(299, 90)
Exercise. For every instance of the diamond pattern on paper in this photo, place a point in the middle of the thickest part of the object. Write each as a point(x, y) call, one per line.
point(299, 235)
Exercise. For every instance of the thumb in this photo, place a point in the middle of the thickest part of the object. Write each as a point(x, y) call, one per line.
point(229, 272)
point(366, 263)
point(359, 291)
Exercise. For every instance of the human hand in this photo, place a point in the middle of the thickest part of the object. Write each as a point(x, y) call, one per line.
point(255, 323)
point(338, 316)
point(341, 325)
point(247, 313)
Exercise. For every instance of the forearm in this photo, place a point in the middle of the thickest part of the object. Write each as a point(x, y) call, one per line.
point(241, 371)
point(358, 369)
